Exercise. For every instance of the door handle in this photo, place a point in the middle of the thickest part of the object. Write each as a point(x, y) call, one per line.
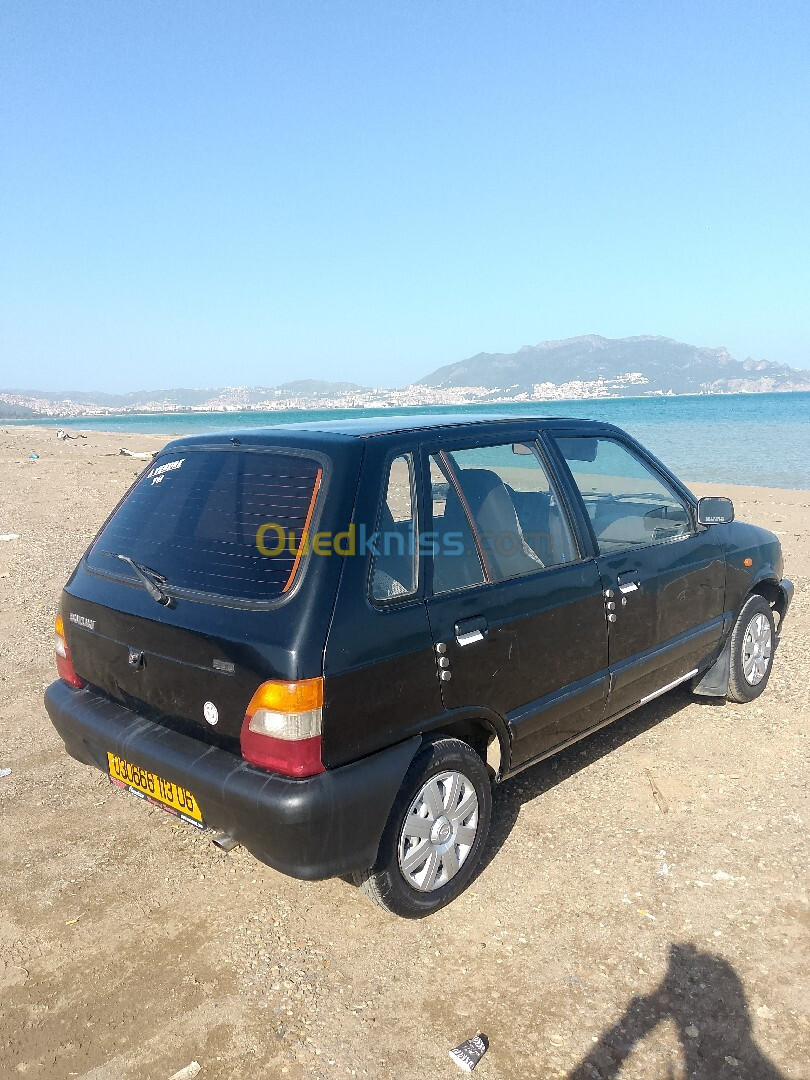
point(469, 631)
point(628, 582)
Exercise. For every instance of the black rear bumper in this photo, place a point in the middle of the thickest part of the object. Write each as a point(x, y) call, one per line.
point(327, 825)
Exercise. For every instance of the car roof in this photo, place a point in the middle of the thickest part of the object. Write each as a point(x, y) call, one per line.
point(365, 427)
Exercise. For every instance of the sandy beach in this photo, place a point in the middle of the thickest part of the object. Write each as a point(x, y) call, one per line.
point(610, 933)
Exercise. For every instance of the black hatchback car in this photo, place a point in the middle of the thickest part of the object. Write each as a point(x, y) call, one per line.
point(328, 642)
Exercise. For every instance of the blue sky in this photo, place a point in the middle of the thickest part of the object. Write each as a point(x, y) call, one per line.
point(210, 193)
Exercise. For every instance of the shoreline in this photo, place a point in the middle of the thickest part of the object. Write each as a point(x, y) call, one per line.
point(45, 434)
point(418, 406)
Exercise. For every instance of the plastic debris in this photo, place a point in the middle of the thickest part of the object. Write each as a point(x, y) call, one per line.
point(4, 772)
point(190, 1071)
point(33, 457)
point(9, 536)
point(141, 456)
point(467, 1054)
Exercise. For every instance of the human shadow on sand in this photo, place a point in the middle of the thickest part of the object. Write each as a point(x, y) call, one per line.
point(701, 993)
point(704, 997)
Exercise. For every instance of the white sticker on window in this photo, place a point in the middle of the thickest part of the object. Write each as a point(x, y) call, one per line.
point(156, 475)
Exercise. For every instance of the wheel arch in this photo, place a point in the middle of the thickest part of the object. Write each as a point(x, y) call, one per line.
point(770, 590)
point(484, 731)
point(715, 680)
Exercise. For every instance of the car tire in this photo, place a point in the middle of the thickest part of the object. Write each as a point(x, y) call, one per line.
point(435, 833)
point(753, 641)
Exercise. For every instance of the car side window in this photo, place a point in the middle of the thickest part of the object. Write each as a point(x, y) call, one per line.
point(456, 564)
point(628, 503)
point(395, 563)
point(515, 507)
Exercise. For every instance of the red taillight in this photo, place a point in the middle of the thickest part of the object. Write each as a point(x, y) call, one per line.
point(282, 728)
point(64, 664)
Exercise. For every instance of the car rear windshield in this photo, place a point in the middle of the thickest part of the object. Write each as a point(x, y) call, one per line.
point(195, 516)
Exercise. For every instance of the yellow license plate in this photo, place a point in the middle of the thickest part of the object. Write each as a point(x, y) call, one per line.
point(163, 793)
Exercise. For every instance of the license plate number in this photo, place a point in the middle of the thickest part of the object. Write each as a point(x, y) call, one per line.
point(148, 785)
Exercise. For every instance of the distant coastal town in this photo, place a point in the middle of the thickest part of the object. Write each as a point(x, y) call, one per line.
point(252, 399)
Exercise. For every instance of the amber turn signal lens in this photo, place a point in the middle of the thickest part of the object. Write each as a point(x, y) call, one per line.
point(288, 697)
point(281, 731)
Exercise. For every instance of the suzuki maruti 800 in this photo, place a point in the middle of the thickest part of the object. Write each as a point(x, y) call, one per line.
point(329, 641)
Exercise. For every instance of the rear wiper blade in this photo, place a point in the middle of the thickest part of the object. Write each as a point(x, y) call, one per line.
point(151, 579)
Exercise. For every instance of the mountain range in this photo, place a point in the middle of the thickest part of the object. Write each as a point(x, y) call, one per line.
point(579, 367)
point(667, 365)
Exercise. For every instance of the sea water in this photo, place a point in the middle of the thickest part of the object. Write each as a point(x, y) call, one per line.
point(727, 438)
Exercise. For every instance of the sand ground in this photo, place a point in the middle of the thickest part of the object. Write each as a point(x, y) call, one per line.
point(604, 937)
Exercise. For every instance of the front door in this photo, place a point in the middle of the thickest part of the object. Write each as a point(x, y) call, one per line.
point(664, 578)
point(517, 615)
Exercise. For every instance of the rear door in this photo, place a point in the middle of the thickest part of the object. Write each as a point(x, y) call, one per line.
point(664, 578)
point(379, 665)
point(515, 609)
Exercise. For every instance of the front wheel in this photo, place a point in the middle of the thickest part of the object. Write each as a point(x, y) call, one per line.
point(435, 832)
point(752, 646)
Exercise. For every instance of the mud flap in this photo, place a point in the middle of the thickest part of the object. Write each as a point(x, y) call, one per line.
point(786, 588)
point(714, 682)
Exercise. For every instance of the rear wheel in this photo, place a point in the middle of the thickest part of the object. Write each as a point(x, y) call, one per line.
point(435, 832)
point(752, 646)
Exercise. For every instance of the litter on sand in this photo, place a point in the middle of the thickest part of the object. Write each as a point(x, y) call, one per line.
point(141, 455)
point(4, 772)
point(33, 457)
point(467, 1054)
point(9, 536)
point(190, 1071)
